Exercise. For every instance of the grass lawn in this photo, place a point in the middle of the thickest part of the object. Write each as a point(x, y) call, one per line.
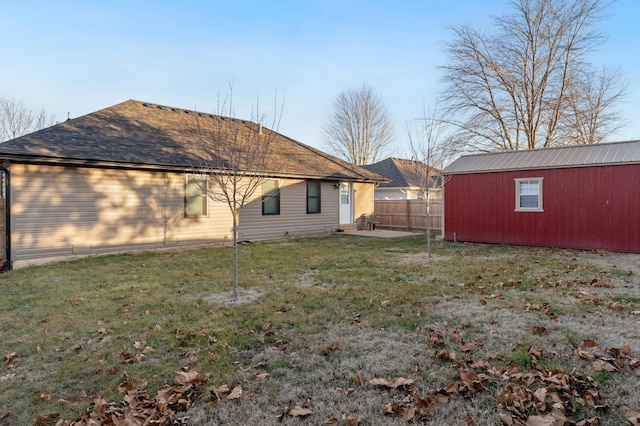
point(342, 330)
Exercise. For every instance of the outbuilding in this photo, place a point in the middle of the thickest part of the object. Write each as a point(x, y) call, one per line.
point(583, 197)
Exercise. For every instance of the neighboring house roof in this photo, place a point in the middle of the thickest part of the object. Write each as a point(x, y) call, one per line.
point(400, 172)
point(144, 135)
point(549, 158)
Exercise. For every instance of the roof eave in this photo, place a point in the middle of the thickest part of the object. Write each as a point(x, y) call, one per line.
point(62, 161)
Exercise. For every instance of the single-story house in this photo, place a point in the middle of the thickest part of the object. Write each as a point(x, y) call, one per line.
point(584, 197)
point(124, 178)
point(404, 180)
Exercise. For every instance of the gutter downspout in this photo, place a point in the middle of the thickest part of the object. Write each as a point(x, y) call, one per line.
point(8, 264)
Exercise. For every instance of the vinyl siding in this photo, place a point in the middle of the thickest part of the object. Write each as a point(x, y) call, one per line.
point(363, 199)
point(65, 211)
point(293, 218)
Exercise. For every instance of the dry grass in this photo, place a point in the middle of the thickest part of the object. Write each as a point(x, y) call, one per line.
point(317, 319)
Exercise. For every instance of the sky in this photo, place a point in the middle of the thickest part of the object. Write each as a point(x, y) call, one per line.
point(72, 58)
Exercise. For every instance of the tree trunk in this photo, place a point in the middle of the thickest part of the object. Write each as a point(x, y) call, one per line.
point(428, 226)
point(234, 292)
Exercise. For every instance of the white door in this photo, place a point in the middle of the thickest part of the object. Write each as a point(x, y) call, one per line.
point(346, 204)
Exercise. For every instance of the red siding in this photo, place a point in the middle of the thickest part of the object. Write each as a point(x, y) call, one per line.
point(586, 208)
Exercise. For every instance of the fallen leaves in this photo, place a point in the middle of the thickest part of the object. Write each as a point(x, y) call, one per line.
point(138, 408)
point(9, 358)
point(390, 383)
point(534, 397)
point(632, 416)
point(296, 411)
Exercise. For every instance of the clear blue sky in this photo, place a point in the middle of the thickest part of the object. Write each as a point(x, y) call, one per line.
point(82, 56)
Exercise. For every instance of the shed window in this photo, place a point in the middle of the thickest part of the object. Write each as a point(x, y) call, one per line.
point(270, 197)
point(529, 194)
point(196, 196)
point(313, 197)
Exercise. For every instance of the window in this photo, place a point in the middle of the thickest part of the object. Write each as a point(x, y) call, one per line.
point(344, 193)
point(313, 197)
point(196, 196)
point(529, 194)
point(270, 197)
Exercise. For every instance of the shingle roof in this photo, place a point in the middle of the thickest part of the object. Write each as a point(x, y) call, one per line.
point(400, 172)
point(141, 134)
point(549, 158)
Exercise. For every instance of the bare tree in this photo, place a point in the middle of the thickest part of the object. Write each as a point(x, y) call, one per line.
point(592, 116)
point(234, 160)
point(530, 85)
point(360, 127)
point(428, 154)
point(17, 120)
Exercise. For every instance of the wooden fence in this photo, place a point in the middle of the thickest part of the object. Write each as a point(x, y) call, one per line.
point(409, 215)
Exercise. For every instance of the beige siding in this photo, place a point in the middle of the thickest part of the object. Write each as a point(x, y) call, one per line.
point(293, 218)
point(363, 199)
point(65, 211)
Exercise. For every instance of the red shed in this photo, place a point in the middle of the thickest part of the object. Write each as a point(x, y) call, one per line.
point(585, 197)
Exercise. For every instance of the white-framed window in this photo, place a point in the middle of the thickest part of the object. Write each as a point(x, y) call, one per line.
point(196, 196)
point(529, 194)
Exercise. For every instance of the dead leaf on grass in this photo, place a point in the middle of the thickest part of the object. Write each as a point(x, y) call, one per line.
point(333, 421)
point(220, 390)
point(296, 411)
point(8, 358)
point(7, 377)
point(389, 383)
point(235, 393)
point(125, 358)
point(545, 420)
point(351, 419)
point(299, 411)
point(44, 419)
point(435, 338)
point(632, 416)
point(506, 419)
point(539, 331)
point(357, 380)
point(602, 365)
point(445, 355)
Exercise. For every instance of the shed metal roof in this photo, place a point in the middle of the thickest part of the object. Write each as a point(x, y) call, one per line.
point(548, 158)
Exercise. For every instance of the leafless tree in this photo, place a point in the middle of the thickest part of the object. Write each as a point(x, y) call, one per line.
point(428, 153)
point(234, 159)
point(17, 120)
point(360, 127)
point(592, 116)
point(530, 84)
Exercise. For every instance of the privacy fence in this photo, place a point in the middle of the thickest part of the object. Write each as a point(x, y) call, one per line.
point(409, 215)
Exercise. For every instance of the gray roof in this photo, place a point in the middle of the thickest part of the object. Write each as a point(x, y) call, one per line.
point(549, 158)
point(400, 172)
point(145, 135)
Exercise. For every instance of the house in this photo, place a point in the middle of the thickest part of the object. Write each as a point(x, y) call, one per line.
point(584, 197)
point(123, 178)
point(404, 180)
